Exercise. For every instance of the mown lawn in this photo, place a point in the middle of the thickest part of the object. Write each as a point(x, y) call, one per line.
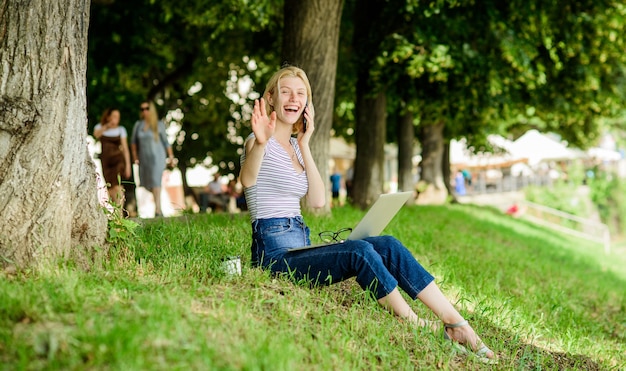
point(540, 299)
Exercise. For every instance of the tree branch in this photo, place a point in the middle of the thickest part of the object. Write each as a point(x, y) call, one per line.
point(184, 69)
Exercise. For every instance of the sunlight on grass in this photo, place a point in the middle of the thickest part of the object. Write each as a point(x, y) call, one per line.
point(540, 299)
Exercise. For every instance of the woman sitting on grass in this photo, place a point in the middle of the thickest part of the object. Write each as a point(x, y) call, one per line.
point(278, 170)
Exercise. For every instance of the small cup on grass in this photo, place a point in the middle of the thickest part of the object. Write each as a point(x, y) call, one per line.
point(231, 265)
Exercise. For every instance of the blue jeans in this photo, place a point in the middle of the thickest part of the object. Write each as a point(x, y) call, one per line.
point(378, 263)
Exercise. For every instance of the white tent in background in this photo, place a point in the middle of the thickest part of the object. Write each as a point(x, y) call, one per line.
point(537, 148)
point(461, 156)
point(500, 142)
point(603, 154)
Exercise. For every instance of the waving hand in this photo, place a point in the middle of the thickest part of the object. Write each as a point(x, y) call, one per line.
point(263, 125)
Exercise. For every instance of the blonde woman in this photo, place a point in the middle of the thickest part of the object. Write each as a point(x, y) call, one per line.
point(149, 147)
point(278, 170)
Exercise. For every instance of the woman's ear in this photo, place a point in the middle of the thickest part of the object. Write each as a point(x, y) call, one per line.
point(269, 99)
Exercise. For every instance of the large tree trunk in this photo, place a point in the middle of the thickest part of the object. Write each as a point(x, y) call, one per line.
point(311, 42)
point(406, 136)
point(369, 174)
point(48, 194)
point(371, 104)
point(431, 138)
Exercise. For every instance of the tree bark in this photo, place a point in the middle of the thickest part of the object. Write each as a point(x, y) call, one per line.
point(48, 194)
point(369, 174)
point(445, 170)
point(370, 28)
point(311, 42)
point(431, 138)
point(406, 136)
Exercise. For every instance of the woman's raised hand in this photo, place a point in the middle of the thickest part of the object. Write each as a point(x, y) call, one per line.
point(263, 126)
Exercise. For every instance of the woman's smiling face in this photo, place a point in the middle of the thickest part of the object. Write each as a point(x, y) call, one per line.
point(290, 100)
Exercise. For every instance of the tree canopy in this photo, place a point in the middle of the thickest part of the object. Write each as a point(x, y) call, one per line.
point(192, 57)
point(480, 67)
point(491, 66)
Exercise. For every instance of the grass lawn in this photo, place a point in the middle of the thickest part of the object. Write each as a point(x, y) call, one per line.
point(539, 299)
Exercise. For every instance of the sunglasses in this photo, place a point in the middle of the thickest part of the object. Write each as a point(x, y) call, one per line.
point(145, 108)
point(338, 236)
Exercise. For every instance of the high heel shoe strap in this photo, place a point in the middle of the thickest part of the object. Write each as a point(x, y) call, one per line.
point(455, 325)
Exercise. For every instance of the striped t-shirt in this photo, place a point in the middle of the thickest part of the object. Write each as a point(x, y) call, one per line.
point(278, 187)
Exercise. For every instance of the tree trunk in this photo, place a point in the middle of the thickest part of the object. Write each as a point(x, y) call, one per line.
point(370, 29)
point(445, 170)
point(48, 194)
point(187, 190)
point(311, 42)
point(369, 174)
point(406, 136)
point(431, 138)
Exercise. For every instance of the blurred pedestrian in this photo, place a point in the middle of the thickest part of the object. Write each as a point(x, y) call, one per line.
point(467, 176)
point(459, 183)
point(237, 197)
point(349, 177)
point(215, 195)
point(149, 148)
point(335, 187)
point(115, 157)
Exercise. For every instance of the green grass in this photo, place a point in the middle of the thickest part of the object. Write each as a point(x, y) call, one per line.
point(540, 299)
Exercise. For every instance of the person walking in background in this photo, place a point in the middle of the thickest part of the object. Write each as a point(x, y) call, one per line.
point(235, 192)
point(459, 183)
point(214, 195)
point(349, 177)
point(278, 170)
point(149, 148)
point(115, 157)
point(468, 178)
point(335, 187)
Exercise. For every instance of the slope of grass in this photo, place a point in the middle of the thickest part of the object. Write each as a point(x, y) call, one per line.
point(540, 299)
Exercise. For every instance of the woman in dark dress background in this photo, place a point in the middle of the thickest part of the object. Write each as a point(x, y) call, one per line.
point(115, 157)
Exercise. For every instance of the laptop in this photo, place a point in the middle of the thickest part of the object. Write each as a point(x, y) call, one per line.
point(375, 220)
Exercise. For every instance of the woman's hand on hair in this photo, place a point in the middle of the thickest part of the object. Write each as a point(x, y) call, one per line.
point(263, 126)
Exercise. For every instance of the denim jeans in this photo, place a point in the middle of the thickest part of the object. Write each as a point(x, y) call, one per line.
point(378, 263)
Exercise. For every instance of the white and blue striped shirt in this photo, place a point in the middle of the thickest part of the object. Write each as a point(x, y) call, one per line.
point(279, 187)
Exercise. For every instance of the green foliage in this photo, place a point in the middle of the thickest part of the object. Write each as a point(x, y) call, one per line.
point(122, 231)
point(505, 67)
point(540, 299)
point(571, 59)
point(608, 194)
point(480, 67)
point(561, 195)
point(185, 55)
point(576, 173)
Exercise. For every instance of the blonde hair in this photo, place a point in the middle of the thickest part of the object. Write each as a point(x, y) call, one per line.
point(273, 85)
point(152, 119)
